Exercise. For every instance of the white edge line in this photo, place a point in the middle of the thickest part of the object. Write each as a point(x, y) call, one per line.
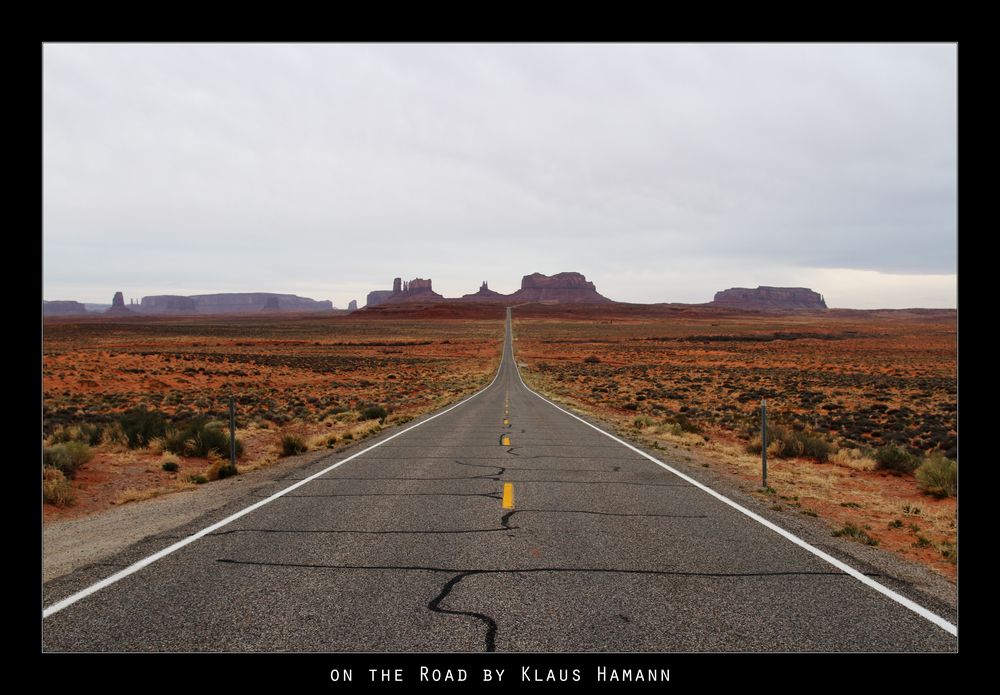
point(884, 590)
point(146, 561)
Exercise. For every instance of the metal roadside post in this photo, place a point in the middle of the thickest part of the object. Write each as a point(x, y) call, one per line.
point(763, 438)
point(232, 432)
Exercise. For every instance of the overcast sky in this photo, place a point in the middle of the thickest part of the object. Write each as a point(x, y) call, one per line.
point(662, 172)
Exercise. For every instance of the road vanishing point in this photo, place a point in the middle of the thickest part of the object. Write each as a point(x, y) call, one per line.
point(439, 537)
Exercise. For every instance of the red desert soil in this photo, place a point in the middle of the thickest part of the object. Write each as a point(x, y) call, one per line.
point(861, 379)
point(298, 374)
point(693, 379)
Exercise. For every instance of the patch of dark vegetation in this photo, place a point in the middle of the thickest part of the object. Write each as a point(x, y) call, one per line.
point(855, 533)
point(895, 459)
point(67, 458)
point(292, 445)
point(785, 442)
point(938, 475)
point(373, 412)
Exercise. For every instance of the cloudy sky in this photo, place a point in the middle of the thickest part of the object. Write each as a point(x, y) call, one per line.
point(661, 172)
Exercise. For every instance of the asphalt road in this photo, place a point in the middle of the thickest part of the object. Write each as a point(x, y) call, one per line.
point(407, 548)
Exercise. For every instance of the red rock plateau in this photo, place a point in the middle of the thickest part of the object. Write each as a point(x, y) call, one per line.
point(565, 288)
point(485, 294)
point(561, 288)
point(770, 299)
point(118, 307)
point(63, 308)
point(416, 290)
point(229, 303)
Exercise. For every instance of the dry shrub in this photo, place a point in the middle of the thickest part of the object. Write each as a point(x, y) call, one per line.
point(220, 468)
point(156, 445)
point(293, 444)
point(114, 438)
point(854, 459)
point(938, 475)
point(56, 490)
point(67, 457)
point(895, 459)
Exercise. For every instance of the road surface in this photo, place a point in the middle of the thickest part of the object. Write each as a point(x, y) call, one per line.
point(407, 547)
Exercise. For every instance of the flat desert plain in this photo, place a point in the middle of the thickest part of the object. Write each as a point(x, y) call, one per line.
point(691, 381)
point(138, 395)
point(299, 382)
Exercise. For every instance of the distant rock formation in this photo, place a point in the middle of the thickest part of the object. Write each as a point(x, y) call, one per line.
point(376, 297)
point(230, 303)
point(168, 304)
point(118, 305)
point(353, 305)
point(770, 299)
point(271, 304)
point(565, 288)
point(485, 294)
point(63, 308)
point(416, 290)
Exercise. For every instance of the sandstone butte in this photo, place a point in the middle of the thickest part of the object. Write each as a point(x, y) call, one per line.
point(770, 299)
point(564, 288)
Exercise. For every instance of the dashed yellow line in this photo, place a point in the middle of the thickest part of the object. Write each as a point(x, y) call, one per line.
point(508, 495)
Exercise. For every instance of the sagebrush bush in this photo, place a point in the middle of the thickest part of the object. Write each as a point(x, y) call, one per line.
point(783, 442)
point(682, 421)
point(895, 459)
point(141, 425)
point(114, 436)
point(87, 433)
point(373, 412)
point(67, 457)
point(200, 438)
point(592, 359)
point(221, 469)
point(858, 534)
point(292, 444)
point(643, 421)
point(938, 475)
point(56, 490)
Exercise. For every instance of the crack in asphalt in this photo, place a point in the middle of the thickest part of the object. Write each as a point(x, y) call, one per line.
point(506, 517)
point(434, 604)
point(616, 469)
point(534, 570)
point(490, 495)
point(608, 482)
point(500, 469)
point(460, 477)
point(389, 532)
point(491, 624)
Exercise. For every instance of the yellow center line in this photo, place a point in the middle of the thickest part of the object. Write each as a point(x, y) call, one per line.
point(508, 495)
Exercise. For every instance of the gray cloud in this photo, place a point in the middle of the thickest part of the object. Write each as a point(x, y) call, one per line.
point(329, 169)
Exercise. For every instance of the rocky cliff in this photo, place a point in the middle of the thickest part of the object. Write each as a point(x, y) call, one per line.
point(118, 305)
point(352, 305)
point(416, 290)
point(565, 288)
point(376, 297)
point(230, 303)
point(770, 299)
point(168, 304)
point(485, 294)
point(63, 308)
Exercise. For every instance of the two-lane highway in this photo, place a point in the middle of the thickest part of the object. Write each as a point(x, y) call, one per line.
point(406, 546)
